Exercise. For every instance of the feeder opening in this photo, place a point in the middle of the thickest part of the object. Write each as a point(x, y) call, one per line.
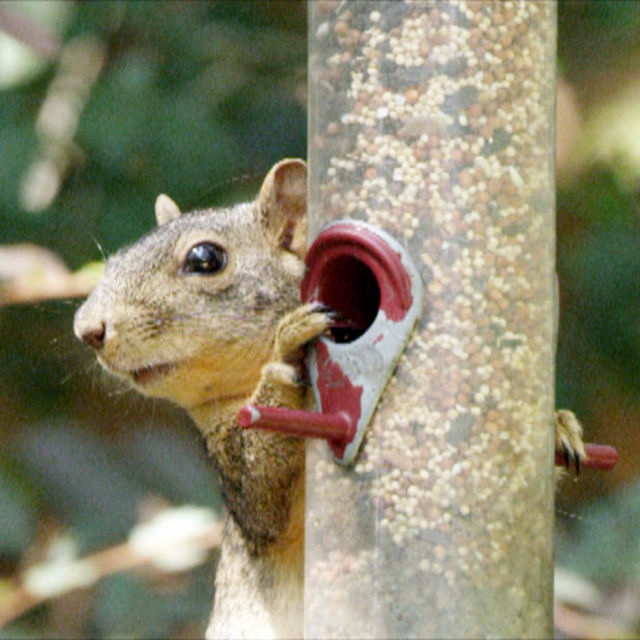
point(350, 288)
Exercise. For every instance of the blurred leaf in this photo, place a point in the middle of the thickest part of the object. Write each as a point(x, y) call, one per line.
point(604, 544)
point(18, 510)
point(82, 480)
point(124, 606)
point(599, 199)
point(592, 32)
point(599, 263)
point(28, 39)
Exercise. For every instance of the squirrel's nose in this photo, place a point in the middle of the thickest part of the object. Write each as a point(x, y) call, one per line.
point(94, 336)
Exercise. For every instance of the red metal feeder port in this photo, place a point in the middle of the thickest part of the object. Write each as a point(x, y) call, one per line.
point(369, 280)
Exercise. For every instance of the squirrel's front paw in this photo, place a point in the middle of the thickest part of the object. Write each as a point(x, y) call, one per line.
point(282, 379)
point(280, 374)
point(298, 327)
point(568, 438)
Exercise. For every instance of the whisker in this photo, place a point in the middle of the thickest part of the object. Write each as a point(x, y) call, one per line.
point(99, 246)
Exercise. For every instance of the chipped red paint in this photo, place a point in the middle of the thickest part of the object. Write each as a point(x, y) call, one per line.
point(336, 394)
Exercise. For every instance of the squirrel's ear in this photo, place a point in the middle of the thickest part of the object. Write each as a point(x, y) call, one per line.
point(282, 205)
point(166, 209)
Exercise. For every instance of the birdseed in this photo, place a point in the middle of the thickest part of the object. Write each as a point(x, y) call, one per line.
point(433, 121)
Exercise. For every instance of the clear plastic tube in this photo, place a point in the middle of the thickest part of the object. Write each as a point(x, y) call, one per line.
point(434, 121)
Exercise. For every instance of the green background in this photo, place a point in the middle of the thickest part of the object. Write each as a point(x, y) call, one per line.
point(198, 99)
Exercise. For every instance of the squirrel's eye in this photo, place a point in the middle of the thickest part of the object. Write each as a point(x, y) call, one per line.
point(205, 257)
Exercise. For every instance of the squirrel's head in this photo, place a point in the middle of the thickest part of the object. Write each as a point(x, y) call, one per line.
point(189, 311)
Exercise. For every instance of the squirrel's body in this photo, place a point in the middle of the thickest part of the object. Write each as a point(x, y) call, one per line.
point(204, 311)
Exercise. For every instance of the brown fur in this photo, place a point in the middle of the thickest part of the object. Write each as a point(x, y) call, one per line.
point(210, 343)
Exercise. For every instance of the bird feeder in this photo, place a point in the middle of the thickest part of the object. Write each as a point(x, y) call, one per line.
point(433, 121)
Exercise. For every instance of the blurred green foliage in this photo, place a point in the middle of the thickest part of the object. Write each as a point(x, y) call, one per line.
point(598, 252)
point(598, 263)
point(594, 33)
point(191, 96)
point(198, 99)
point(603, 544)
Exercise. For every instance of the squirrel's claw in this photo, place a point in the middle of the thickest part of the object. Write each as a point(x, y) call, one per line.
point(565, 454)
point(300, 326)
point(568, 439)
point(321, 307)
point(570, 455)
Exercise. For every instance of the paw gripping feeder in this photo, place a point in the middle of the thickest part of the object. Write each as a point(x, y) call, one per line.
point(370, 281)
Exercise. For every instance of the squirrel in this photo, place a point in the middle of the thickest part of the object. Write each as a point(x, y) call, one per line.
point(204, 311)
